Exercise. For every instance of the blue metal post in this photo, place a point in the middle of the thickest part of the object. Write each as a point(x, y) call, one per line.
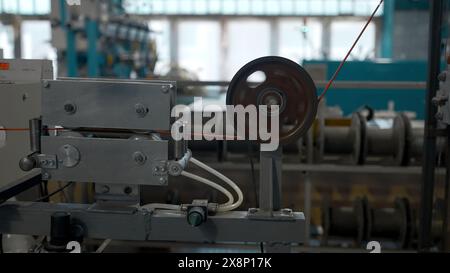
point(71, 50)
point(93, 60)
point(387, 40)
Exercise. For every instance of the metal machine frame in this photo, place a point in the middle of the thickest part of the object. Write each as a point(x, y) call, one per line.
point(105, 131)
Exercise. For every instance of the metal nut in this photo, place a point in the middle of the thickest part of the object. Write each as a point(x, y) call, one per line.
point(439, 100)
point(166, 88)
point(163, 180)
point(139, 158)
point(175, 169)
point(141, 110)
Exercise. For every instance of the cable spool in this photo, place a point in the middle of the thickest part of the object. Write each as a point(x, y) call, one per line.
point(416, 139)
point(345, 222)
point(386, 142)
point(394, 224)
point(287, 85)
point(342, 137)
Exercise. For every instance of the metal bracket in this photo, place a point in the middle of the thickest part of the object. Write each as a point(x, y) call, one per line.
point(283, 215)
point(48, 161)
point(442, 99)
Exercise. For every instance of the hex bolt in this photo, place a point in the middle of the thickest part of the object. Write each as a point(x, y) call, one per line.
point(175, 169)
point(439, 100)
point(139, 158)
point(163, 180)
point(46, 176)
point(253, 211)
point(46, 84)
point(165, 89)
point(141, 110)
point(128, 190)
point(70, 108)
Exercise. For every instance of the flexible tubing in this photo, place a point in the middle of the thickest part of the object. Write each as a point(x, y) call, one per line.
point(226, 180)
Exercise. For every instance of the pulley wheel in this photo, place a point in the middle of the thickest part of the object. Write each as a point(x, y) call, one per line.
point(282, 82)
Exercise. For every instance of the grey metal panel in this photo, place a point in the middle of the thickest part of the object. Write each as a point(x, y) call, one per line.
point(226, 227)
point(18, 104)
point(34, 218)
point(107, 104)
point(26, 71)
point(20, 101)
point(109, 161)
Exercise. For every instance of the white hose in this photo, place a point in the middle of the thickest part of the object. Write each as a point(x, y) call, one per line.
point(229, 206)
point(226, 207)
point(213, 185)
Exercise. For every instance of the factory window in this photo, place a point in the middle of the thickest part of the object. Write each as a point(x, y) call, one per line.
point(246, 40)
point(300, 39)
point(212, 49)
point(161, 34)
point(199, 48)
point(25, 7)
point(36, 40)
point(344, 33)
point(7, 41)
point(252, 7)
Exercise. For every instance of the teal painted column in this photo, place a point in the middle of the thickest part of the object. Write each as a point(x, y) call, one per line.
point(71, 50)
point(387, 40)
point(93, 60)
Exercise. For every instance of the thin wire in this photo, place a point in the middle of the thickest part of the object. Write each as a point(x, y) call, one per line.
point(54, 193)
point(64, 195)
point(349, 52)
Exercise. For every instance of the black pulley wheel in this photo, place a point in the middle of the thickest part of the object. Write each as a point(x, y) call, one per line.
point(285, 84)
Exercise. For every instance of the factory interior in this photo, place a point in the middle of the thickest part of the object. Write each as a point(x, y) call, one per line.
point(95, 157)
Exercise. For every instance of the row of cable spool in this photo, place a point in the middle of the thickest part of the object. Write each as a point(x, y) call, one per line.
point(362, 222)
point(396, 141)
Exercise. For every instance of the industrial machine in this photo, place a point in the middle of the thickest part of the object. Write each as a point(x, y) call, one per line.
point(98, 39)
point(114, 133)
point(20, 102)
